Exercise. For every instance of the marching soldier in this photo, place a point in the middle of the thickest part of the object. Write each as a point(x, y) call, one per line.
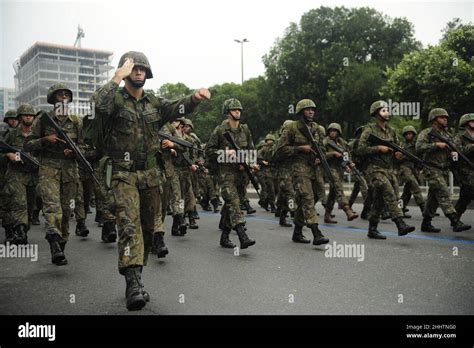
point(21, 178)
point(297, 148)
point(380, 171)
point(465, 143)
point(335, 161)
point(134, 117)
point(407, 170)
point(58, 172)
point(266, 174)
point(437, 156)
point(221, 154)
point(360, 183)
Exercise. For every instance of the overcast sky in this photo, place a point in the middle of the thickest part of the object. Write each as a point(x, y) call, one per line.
point(189, 41)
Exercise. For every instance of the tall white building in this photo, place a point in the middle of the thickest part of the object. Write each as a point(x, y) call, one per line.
point(83, 70)
point(7, 100)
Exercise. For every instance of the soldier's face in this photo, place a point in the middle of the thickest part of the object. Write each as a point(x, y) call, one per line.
point(187, 129)
point(470, 124)
point(175, 124)
point(63, 97)
point(409, 136)
point(27, 120)
point(384, 113)
point(269, 142)
point(12, 122)
point(308, 113)
point(442, 121)
point(333, 134)
point(235, 113)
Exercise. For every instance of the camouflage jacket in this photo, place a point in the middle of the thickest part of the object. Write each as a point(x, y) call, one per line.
point(333, 161)
point(134, 124)
point(377, 161)
point(430, 153)
point(16, 138)
point(217, 144)
point(52, 155)
point(465, 143)
point(291, 138)
point(411, 148)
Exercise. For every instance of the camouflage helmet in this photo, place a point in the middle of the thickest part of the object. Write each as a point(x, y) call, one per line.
point(188, 122)
point(25, 109)
point(139, 59)
point(180, 120)
point(335, 126)
point(304, 104)
point(56, 88)
point(407, 129)
point(377, 105)
point(270, 137)
point(9, 114)
point(231, 104)
point(436, 113)
point(465, 119)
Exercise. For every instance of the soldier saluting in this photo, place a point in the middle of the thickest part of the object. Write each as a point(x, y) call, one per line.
point(133, 118)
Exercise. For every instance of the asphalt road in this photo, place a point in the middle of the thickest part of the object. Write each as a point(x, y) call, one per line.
point(417, 274)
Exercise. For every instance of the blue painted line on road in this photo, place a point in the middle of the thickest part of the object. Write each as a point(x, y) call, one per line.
point(359, 230)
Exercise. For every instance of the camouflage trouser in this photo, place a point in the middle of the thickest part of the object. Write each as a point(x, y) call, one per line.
point(196, 185)
point(407, 178)
point(21, 190)
point(208, 187)
point(360, 185)
point(137, 199)
point(466, 195)
point(172, 196)
point(187, 192)
point(384, 195)
point(242, 183)
point(57, 188)
point(336, 192)
point(4, 200)
point(268, 189)
point(286, 195)
point(228, 182)
point(318, 185)
point(305, 211)
point(438, 194)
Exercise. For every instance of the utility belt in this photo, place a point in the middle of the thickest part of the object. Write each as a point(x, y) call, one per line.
point(55, 155)
point(138, 161)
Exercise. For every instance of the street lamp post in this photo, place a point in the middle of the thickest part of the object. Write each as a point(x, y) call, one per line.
point(241, 42)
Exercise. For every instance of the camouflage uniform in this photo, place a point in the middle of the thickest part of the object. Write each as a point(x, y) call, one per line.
point(302, 165)
point(266, 175)
point(229, 174)
point(407, 173)
point(381, 175)
point(58, 175)
point(438, 161)
point(360, 184)
point(465, 143)
point(336, 191)
point(21, 181)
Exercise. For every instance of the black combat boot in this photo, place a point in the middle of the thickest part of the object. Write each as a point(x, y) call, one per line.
point(195, 214)
point(168, 210)
point(225, 241)
point(133, 291)
point(215, 204)
point(426, 225)
point(403, 228)
point(318, 236)
point(248, 208)
point(21, 236)
point(283, 221)
point(57, 255)
point(62, 245)
point(245, 241)
point(145, 293)
point(81, 229)
point(9, 234)
point(192, 222)
point(159, 244)
point(263, 204)
point(99, 218)
point(298, 236)
point(272, 208)
point(373, 232)
point(278, 212)
point(35, 218)
point(109, 232)
point(179, 225)
point(457, 225)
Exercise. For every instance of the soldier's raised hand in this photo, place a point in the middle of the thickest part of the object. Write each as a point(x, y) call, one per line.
point(124, 71)
point(202, 94)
